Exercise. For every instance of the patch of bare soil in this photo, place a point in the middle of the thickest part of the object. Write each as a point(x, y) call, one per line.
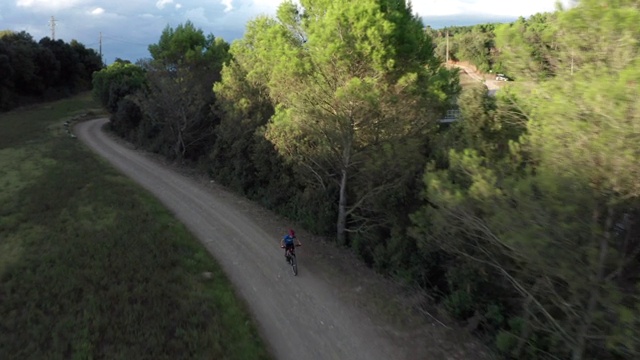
point(469, 75)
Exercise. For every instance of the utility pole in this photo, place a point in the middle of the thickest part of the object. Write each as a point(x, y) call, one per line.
point(447, 52)
point(571, 62)
point(52, 25)
point(100, 45)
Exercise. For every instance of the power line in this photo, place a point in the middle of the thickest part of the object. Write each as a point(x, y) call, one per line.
point(123, 41)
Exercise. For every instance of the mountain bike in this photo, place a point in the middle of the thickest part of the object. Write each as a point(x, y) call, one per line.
point(291, 259)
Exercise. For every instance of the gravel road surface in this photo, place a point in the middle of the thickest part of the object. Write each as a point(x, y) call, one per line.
point(299, 317)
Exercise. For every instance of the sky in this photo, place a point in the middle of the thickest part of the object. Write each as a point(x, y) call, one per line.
point(128, 27)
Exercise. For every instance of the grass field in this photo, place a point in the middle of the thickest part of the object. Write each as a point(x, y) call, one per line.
point(93, 267)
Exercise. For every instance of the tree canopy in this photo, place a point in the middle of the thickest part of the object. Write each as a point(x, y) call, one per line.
point(45, 70)
point(341, 74)
point(551, 214)
point(521, 219)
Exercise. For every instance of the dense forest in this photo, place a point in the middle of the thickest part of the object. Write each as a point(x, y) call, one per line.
point(522, 218)
point(33, 71)
point(524, 49)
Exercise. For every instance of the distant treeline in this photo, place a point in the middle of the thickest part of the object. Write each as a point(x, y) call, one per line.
point(33, 71)
point(522, 219)
point(525, 48)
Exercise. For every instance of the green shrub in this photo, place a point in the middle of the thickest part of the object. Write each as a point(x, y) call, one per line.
point(506, 341)
point(459, 304)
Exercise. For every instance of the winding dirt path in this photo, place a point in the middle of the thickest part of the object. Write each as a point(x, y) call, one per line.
point(311, 316)
point(488, 80)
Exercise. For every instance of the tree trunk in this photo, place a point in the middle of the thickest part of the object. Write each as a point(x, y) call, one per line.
point(179, 146)
point(525, 332)
point(594, 294)
point(342, 210)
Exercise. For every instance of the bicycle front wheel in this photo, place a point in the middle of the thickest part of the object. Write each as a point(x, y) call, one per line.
point(294, 265)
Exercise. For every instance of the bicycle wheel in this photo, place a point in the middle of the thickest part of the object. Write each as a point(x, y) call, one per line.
point(294, 264)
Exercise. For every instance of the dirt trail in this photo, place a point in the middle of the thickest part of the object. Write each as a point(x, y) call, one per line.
point(487, 79)
point(319, 314)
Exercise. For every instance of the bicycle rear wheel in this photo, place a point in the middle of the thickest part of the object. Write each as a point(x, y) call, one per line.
point(294, 264)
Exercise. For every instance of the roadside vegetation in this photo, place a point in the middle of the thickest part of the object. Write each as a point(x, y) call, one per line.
point(91, 266)
point(527, 49)
point(521, 219)
point(32, 72)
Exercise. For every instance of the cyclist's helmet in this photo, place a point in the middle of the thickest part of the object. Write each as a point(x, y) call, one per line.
point(292, 233)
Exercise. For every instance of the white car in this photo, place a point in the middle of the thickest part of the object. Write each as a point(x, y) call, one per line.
point(501, 77)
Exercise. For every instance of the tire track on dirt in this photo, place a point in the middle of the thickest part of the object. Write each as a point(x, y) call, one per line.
point(298, 317)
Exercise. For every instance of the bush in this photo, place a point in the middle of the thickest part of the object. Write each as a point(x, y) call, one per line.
point(506, 342)
point(126, 119)
point(459, 304)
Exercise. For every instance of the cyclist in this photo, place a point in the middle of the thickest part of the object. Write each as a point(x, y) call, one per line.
point(288, 242)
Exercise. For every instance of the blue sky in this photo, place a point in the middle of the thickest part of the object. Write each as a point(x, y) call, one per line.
point(129, 26)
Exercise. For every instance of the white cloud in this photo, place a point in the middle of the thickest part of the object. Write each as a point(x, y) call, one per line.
point(498, 8)
point(437, 7)
point(197, 16)
point(141, 22)
point(162, 3)
point(48, 4)
point(485, 7)
point(228, 6)
point(244, 10)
